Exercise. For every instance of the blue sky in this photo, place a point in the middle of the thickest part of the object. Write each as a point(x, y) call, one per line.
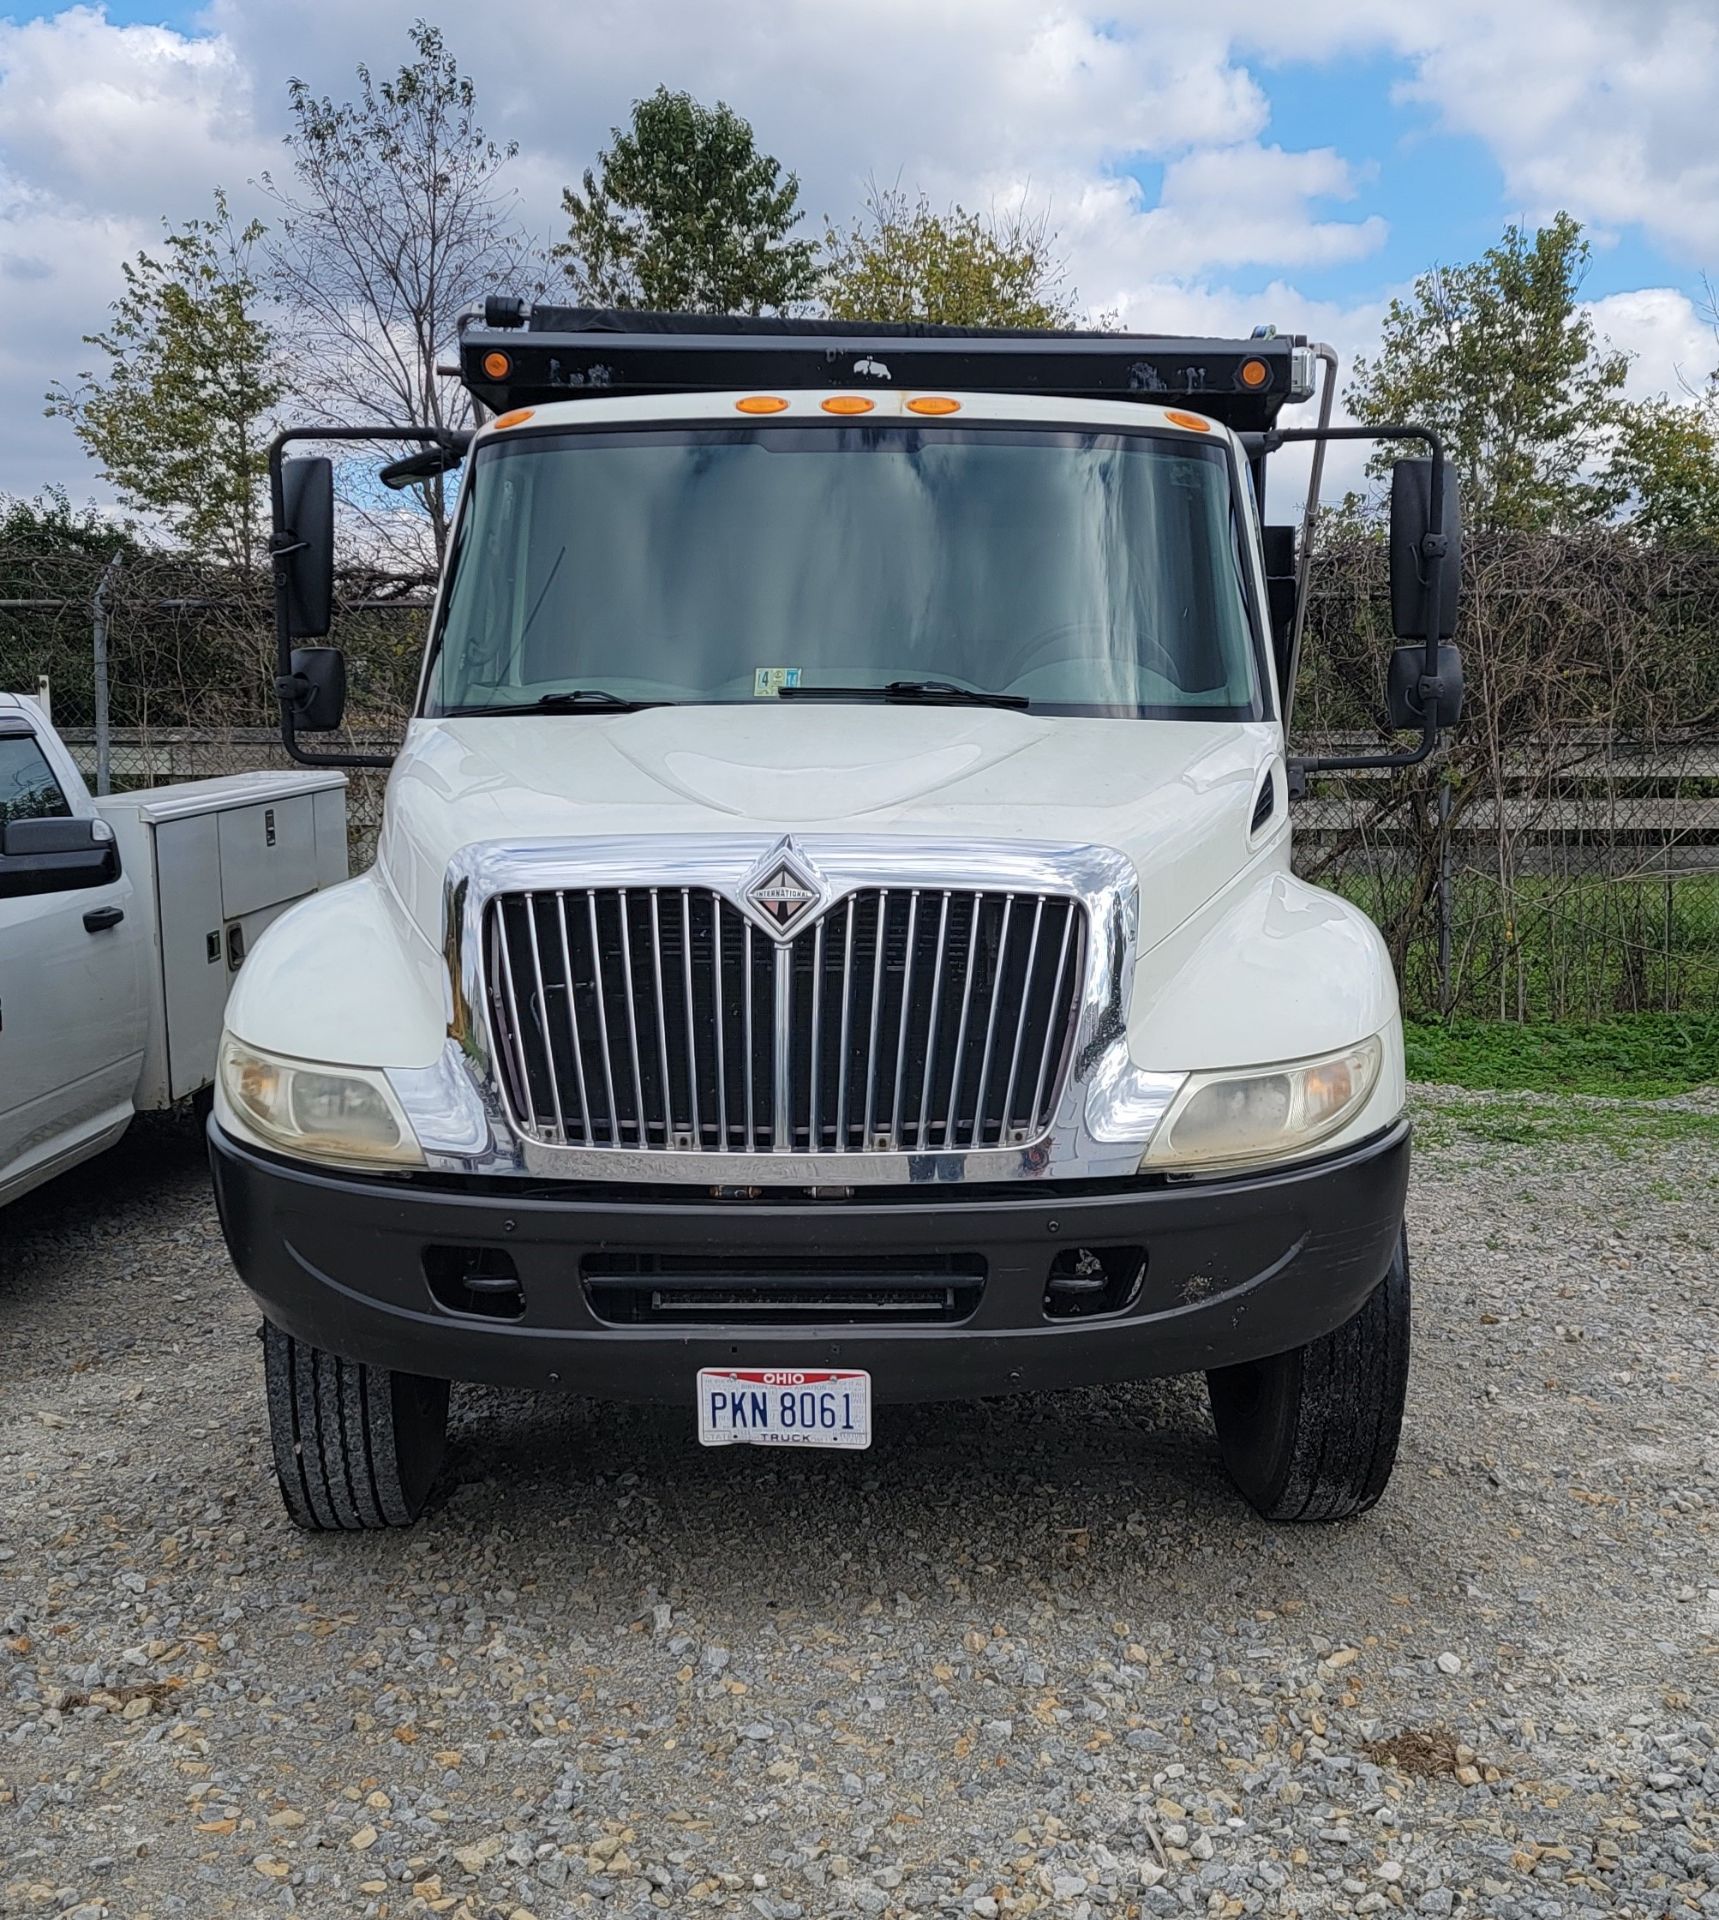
point(1207, 163)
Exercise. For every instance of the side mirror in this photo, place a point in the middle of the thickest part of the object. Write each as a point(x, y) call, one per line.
point(315, 690)
point(1413, 538)
point(304, 545)
point(1404, 699)
point(56, 856)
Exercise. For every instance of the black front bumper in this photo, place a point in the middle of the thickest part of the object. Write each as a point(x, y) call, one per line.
point(1234, 1269)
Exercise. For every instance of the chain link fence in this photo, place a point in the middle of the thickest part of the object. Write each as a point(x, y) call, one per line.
point(1559, 859)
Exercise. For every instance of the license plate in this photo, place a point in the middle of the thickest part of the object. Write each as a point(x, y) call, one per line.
point(784, 1407)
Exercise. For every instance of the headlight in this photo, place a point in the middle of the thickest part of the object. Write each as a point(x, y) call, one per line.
point(1268, 1113)
point(345, 1115)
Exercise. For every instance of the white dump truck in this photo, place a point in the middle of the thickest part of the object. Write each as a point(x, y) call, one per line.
point(832, 941)
point(123, 922)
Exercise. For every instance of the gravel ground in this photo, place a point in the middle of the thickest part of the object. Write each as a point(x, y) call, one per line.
point(1023, 1656)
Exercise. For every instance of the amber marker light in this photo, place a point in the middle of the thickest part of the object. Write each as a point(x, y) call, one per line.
point(847, 403)
point(933, 403)
point(1254, 373)
point(517, 418)
point(497, 365)
point(761, 403)
point(1191, 421)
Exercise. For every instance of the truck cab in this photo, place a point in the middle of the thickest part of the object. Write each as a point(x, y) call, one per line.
point(832, 940)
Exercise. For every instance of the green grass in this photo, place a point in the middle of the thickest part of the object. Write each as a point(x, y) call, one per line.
point(1635, 1056)
point(1523, 1120)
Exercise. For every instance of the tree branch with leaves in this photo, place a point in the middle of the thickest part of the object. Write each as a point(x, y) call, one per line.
point(180, 418)
point(395, 217)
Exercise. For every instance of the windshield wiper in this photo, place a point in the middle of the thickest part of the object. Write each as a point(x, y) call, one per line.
point(581, 700)
point(930, 693)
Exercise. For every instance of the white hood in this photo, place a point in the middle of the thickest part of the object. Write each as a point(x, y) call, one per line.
point(1175, 796)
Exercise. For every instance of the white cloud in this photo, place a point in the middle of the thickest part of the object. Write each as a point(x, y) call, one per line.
point(1670, 341)
point(1603, 108)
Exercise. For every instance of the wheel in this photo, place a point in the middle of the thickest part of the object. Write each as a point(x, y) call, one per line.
point(1312, 1434)
point(355, 1446)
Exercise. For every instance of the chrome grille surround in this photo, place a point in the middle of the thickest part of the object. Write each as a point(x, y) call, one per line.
point(903, 1021)
point(1094, 1117)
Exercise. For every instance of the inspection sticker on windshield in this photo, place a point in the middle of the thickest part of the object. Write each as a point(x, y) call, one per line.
point(784, 1407)
point(767, 682)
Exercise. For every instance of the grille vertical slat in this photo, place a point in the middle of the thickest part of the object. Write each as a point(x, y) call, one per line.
point(666, 1085)
point(903, 1021)
point(879, 942)
point(641, 1123)
point(847, 1016)
point(1021, 1023)
point(749, 1058)
point(1056, 1033)
point(541, 1004)
point(815, 1062)
point(602, 1010)
point(578, 1051)
point(691, 1015)
point(950, 1139)
point(719, 1008)
point(891, 1029)
point(929, 1078)
point(991, 1024)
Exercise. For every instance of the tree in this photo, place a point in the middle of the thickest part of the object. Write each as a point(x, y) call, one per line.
point(49, 527)
point(684, 214)
point(394, 220)
point(1497, 356)
point(180, 418)
point(1665, 469)
point(901, 260)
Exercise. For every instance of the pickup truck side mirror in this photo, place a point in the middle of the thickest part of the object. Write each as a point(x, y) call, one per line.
point(304, 545)
point(315, 690)
point(56, 855)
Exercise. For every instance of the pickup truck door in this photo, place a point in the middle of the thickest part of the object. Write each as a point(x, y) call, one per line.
point(71, 984)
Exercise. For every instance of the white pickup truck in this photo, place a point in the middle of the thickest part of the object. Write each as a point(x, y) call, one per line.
point(123, 921)
point(833, 939)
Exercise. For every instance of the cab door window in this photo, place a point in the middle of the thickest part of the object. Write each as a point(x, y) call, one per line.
point(28, 789)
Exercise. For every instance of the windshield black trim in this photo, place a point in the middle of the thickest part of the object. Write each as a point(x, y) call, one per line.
point(1264, 705)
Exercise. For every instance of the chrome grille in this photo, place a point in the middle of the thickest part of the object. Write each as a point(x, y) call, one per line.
point(903, 1020)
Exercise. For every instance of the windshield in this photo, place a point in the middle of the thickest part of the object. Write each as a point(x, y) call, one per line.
point(1077, 572)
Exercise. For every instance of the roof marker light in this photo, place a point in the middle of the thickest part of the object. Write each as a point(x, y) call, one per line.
point(933, 403)
point(1191, 421)
point(1254, 373)
point(517, 418)
point(761, 403)
point(848, 403)
point(497, 365)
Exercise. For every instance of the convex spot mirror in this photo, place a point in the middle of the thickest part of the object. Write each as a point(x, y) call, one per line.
point(304, 545)
point(1403, 696)
point(316, 689)
point(1411, 567)
point(57, 855)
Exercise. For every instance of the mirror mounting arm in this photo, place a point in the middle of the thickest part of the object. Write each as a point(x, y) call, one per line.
point(1435, 550)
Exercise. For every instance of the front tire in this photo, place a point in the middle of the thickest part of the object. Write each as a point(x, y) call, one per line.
point(355, 1447)
point(1312, 1434)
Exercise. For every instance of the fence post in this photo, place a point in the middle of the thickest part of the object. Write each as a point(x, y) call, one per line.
point(98, 650)
point(45, 697)
point(1444, 890)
